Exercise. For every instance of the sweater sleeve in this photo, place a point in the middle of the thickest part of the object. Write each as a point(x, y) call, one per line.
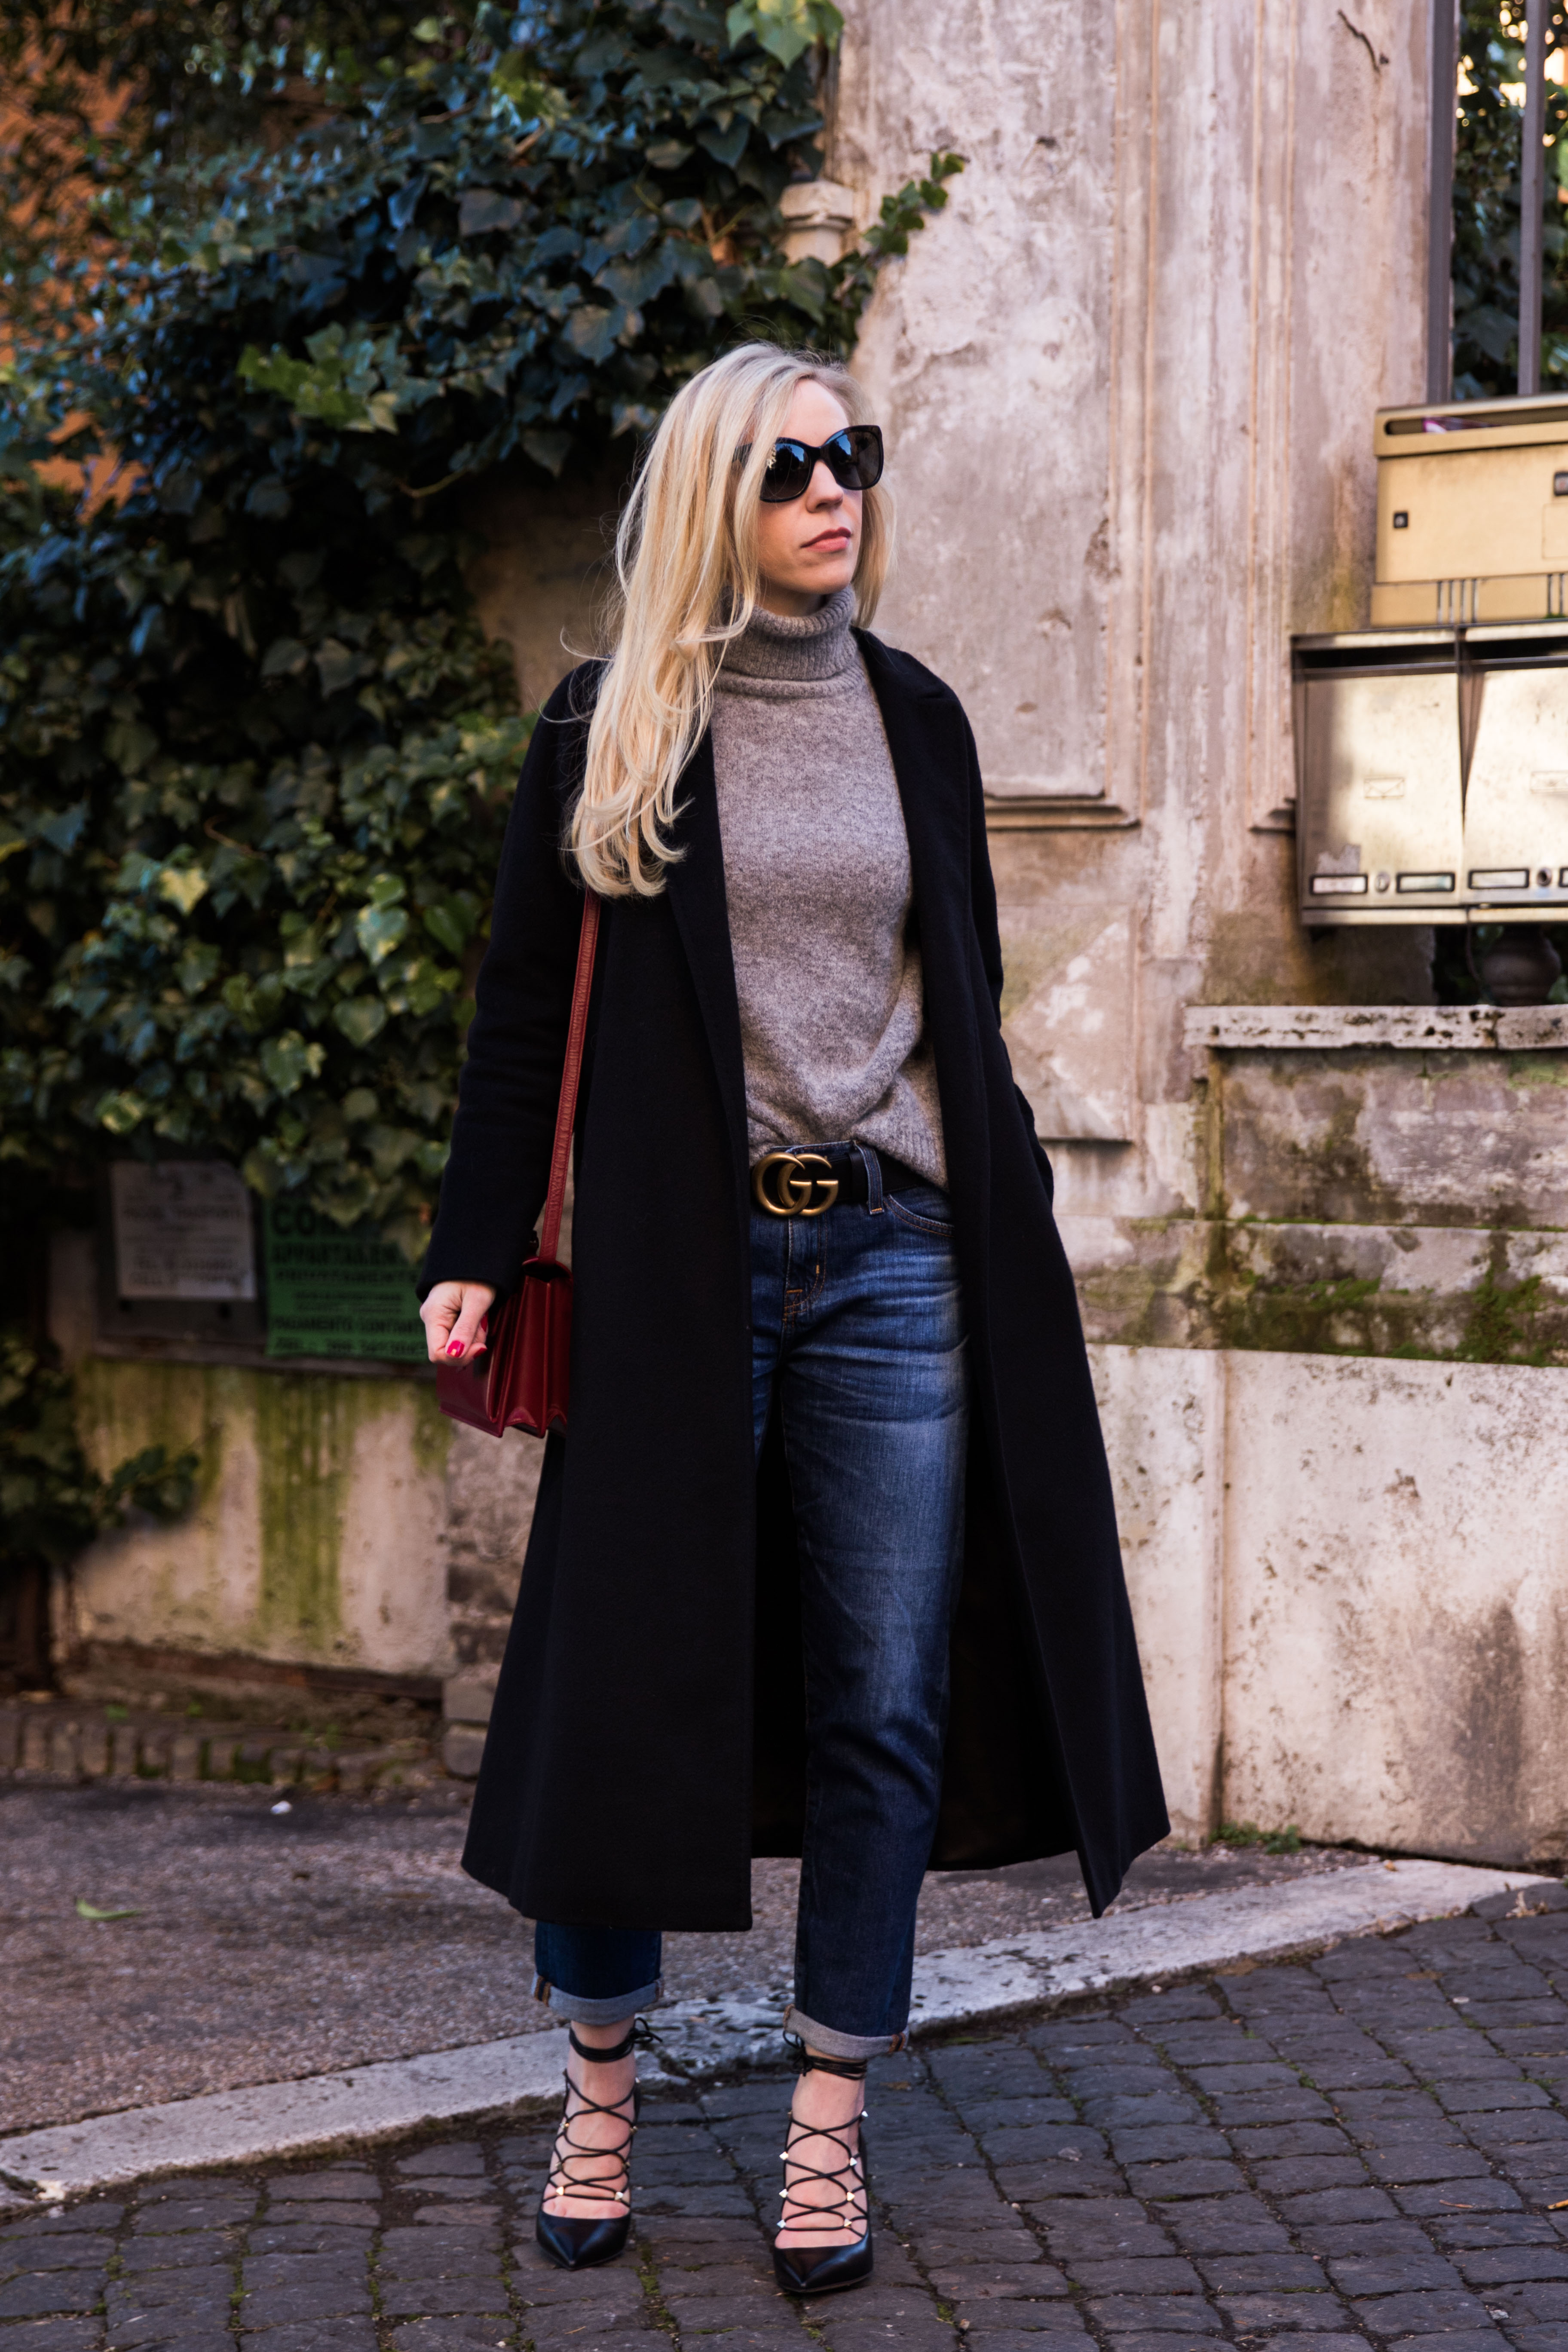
point(498, 1171)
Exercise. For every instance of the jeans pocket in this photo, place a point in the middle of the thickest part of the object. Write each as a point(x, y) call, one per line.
point(923, 1208)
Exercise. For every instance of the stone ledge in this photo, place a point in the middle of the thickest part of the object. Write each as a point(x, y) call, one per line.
point(1411, 1028)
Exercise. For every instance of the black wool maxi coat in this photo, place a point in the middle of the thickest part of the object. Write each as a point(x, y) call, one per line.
point(647, 1735)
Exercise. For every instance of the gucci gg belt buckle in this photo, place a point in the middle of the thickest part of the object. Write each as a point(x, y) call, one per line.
point(781, 1184)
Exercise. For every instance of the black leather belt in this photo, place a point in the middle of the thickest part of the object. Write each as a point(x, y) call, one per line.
point(804, 1182)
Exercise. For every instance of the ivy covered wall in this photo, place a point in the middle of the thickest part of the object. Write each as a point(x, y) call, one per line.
point(254, 755)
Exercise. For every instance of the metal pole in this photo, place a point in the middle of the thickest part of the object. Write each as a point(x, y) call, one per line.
point(1440, 186)
point(1531, 197)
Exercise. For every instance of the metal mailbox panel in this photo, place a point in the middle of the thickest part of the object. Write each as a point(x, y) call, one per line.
point(1469, 512)
point(1516, 803)
point(1380, 794)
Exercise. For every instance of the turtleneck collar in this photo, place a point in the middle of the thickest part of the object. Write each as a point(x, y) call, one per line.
point(773, 645)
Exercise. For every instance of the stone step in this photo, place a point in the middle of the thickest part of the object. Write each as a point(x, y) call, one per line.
point(67, 1743)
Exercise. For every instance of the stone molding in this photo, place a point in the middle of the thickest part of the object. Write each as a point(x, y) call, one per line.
point(822, 221)
point(1413, 1028)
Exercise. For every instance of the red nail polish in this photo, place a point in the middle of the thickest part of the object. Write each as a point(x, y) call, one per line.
point(454, 1348)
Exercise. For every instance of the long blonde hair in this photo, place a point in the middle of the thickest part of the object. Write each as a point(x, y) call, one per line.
point(687, 575)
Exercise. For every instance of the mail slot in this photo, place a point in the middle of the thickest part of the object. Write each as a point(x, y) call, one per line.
point(1432, 775)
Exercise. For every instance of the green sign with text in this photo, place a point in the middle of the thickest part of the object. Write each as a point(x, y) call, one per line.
point(332, 1293)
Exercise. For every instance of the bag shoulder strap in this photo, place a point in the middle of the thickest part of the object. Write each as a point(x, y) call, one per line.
point(571, 1071)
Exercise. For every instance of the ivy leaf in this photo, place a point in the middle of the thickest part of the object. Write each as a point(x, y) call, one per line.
point(62, 832)
point(547, 449)
point(284, 657)
point(336, 667)
point(361, 1020)
point(558, 243)
point(129, 745)
point(725, 146)
point(484, 209)
point(288, 1061)
point(785, 27)
point(402, 207)
point(379, 930)
point(450, 925)
point(270, 500)
point(591, 330)
point(183, 886)
point(198, 966)
point(120, 1112)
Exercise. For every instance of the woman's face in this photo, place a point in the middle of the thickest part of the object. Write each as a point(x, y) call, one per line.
point(808, 548)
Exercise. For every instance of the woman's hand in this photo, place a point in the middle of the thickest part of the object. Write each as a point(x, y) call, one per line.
point(452, 1316)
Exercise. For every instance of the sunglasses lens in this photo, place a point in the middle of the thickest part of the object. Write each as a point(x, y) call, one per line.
point(855, 458)
point(789, 472)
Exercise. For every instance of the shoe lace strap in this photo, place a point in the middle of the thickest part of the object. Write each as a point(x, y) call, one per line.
point(569, 2156)
point(811, 2061)
point(799, 2213)
point(638, 2035)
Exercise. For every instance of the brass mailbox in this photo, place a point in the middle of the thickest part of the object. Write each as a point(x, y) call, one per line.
point(1432, 775)
point(1472, 513)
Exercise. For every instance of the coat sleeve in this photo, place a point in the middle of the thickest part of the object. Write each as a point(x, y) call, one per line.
point(983, 900)
point(495, 1180)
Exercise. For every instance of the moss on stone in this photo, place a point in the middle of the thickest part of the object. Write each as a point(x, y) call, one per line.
point(306, 1428)
point(1505, 1325)
point(431, 1435)
point(1523, 1072)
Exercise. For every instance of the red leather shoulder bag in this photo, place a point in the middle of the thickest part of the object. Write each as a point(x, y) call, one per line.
point(522, 1381)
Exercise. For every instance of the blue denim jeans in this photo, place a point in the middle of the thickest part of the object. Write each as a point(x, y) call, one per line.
point(858, 1333)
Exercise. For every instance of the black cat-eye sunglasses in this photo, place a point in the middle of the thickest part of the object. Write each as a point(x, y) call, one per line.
point(853, 457)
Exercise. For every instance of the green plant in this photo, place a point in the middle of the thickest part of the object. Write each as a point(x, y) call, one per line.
point(1486, 203)
point(52, 1500)
point(254, 755)
point(1248, 1833)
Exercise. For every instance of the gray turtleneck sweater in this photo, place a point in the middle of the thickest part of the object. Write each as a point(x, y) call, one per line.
point(816, 868)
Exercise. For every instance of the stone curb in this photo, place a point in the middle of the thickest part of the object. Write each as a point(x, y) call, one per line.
point(1156, 1944)
point(271, 2121)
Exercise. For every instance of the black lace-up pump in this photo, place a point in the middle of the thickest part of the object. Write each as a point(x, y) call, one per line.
point(819, 2270)
point(581, 2241)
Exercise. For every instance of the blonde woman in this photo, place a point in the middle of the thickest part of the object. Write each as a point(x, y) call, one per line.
point(827, 1563)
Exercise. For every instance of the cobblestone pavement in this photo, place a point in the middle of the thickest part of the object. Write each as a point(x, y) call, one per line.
point(1366, 2148)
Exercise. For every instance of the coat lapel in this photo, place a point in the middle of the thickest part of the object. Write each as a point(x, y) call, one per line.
point(929, 763)
point(925, 739)
point(696, 887)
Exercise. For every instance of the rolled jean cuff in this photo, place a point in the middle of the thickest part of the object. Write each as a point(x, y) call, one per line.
point(582, 2012)
point(833, 2044)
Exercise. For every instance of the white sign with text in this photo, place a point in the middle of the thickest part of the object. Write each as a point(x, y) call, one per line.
point(183, 1229)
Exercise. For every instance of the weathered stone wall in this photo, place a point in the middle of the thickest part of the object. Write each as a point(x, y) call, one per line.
point(1128, 379)
point(1377, 1182)
point(1349, 1580)
point(338, 1522)
point(317, 1534)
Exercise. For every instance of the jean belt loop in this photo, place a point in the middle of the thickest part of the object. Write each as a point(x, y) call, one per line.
point(873, 1168)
